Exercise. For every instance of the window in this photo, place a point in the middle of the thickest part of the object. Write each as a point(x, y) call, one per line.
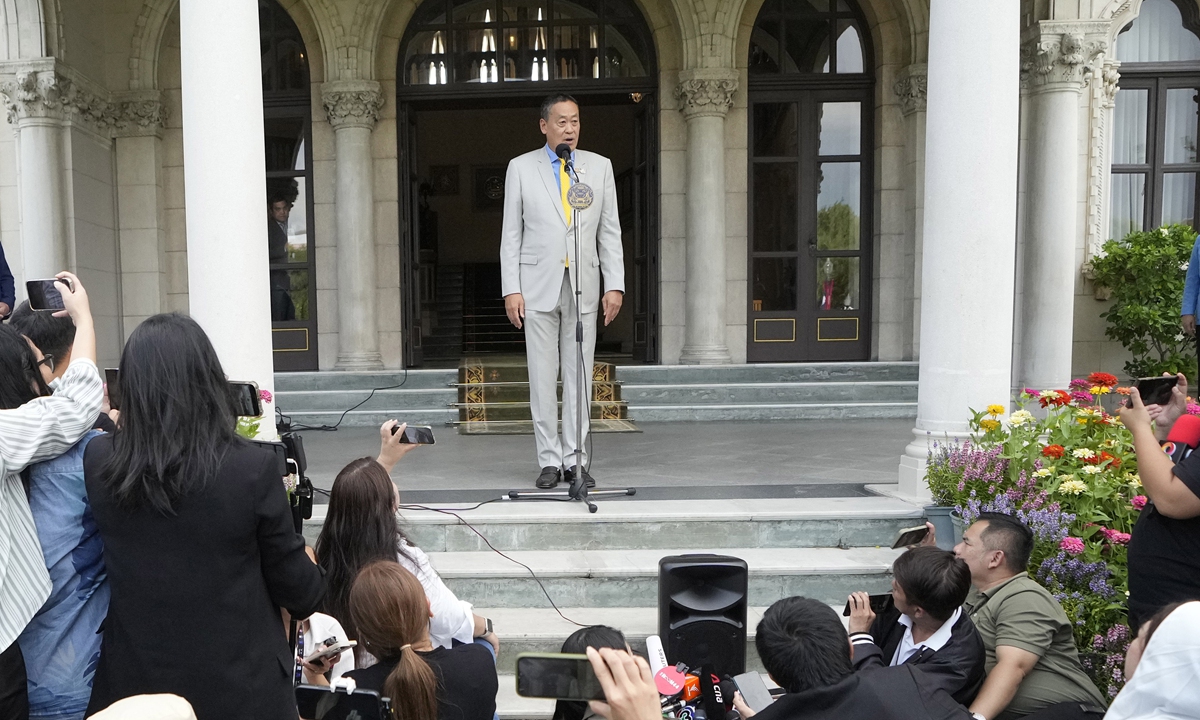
point(1154, 144)
point(457, 42)
point(806, 36)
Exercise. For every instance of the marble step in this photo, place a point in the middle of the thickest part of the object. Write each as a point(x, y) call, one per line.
point(768, 373)
point(769, 393)
point(771, 411)
point(629, 578)
point(363, 381)
point(520, 411)
point(648, 524)
point(383, 400)
point(435, 416)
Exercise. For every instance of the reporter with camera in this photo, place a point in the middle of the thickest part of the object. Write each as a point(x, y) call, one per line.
point(199, 539)
point(362, 525)
point(35, 426)
point(1164, 549)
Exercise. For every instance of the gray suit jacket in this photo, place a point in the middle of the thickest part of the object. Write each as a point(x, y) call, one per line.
point(537, 240)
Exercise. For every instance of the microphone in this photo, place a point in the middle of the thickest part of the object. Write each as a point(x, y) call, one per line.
point(1183, 438)
point(669, 681)
point(655, 654)
point(564, 151)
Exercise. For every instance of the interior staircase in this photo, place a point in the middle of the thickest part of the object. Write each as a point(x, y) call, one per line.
point(603, 568)
point(637, 393)
point(445, 339)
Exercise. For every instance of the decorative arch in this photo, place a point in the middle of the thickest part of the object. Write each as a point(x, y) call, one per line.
point(30, 29)
point(393, 18)
point(315, 24)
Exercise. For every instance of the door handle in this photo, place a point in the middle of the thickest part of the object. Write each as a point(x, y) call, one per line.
point(812, 248)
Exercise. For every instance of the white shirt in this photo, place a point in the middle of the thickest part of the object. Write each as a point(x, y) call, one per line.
point(321, 627)
point(39, 430)
point(452, 619)
point(939, 638)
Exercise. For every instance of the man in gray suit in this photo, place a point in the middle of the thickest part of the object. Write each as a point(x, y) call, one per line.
point(538, 269)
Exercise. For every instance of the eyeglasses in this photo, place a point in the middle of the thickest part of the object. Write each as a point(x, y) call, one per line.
point(48, 361)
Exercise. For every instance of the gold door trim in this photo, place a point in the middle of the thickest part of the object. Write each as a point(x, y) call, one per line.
point(774, 320)
point(853, 339)
point(299, 329)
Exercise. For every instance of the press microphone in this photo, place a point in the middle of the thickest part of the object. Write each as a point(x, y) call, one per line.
point(564, 151)
point(1183, 438)
point(669, 681)
point(655, 654)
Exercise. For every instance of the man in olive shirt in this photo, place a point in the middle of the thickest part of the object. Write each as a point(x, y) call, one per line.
point(1032, 663)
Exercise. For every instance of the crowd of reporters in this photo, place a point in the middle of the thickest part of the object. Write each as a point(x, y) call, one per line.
point(152, 553)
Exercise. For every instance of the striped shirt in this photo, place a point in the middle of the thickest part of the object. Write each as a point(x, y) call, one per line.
point(38, 430)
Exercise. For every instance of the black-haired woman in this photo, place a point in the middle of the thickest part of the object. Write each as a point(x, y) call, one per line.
point(199, 539)
point(594, 636)
point(35, 426)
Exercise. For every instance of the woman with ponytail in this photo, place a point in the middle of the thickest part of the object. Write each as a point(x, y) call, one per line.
point(390, 610)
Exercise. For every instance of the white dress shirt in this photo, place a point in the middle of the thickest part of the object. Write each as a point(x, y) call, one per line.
point(452, 619)
point(934, 642)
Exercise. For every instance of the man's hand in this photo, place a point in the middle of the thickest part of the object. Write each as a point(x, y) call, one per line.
point(492, 640)
point(390, 447)
point(611, 302)
point(1164, 416)
point(514, 306)
point(930, 539)
point(1134, 415)
point(75, 299)
point(4, 310)
point(1189, 324)
point(861, 614)
point(629, 690)
point(739, 703)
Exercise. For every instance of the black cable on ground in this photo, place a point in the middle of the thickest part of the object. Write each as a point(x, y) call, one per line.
point(334, 427)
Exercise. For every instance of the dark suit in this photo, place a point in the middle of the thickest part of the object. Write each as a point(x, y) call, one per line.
point(876, 693)
point(8, 294)
point(957, 668)
point(282, 307)
point(196, 596)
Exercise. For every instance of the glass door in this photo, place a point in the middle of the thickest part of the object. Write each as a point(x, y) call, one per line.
point(810, 222)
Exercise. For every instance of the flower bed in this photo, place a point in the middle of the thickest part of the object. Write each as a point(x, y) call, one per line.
point(1071, 475)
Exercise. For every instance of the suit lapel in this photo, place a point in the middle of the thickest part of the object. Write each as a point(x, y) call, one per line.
point(546, 170)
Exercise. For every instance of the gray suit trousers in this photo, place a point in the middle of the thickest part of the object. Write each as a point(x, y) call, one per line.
point(550, 344)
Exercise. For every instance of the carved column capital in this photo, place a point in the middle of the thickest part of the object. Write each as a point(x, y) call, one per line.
point(33, 93)
point(352, 103)
point(1060, 56)
point(706, 93)
point(911, 86)
point(140, 115)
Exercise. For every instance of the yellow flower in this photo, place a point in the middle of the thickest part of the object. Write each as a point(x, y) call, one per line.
point(995, 410)
point(1134, 479)
point(1071, 486)
point(1110, 443)
point(1099, 390)
point(989, 424)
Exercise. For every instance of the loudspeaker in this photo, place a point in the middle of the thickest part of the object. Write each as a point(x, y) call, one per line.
point(702, 611)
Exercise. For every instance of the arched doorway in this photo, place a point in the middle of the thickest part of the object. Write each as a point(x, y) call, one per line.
point(287, 119)
point(811, 96)
point(1154, 155)
point(471, 76)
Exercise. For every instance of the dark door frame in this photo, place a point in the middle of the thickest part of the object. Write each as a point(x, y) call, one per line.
point(412, 99)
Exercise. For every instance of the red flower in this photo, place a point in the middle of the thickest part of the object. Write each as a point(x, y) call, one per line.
point(1053, 451)
point(1102, 379)
point(1113, 460)
point(1055, 398)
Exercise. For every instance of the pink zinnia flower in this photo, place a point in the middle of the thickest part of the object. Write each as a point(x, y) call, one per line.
point(1114, 536)
point(1073, 545)
point(1193, 409)
point(1138, 502)
point(1031, 392)
point(264, 395)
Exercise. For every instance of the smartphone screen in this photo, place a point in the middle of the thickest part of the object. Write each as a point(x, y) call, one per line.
point(323, 703)
point(416, 434)
point(113, 380)
point(43, 295)
point(879, 604)
point(245, 395)
point(754, 691)
point(1156, 390)
point(562, 677)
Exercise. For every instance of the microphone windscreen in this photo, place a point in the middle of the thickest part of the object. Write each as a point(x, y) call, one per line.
point(1186, 431)
point(669, 681)
point(563, 150)
point(655, 654)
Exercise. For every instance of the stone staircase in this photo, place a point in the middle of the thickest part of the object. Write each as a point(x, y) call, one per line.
point(603, 568)
point(653, 393)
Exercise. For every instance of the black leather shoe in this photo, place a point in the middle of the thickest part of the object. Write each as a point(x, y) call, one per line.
point(588, 480)
point(548, 479)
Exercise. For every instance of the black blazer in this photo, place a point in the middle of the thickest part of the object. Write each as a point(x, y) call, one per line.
point(957, 668)
point(875, 693)
point(196, 596)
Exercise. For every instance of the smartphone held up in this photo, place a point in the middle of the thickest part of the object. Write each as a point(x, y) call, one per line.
point(44, 295)
point(415, 434)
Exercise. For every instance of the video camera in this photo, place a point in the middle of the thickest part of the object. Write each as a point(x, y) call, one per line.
point(289, 455)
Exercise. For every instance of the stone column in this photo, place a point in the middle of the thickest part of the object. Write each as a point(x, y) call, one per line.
point(36, 109)
point(705, 96)
point(225, 185)
point(911, 88)
point(967, 265)
point(353, 107)
point(1055, 65)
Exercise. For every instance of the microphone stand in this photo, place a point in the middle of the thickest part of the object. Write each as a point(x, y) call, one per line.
point(579, 490)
